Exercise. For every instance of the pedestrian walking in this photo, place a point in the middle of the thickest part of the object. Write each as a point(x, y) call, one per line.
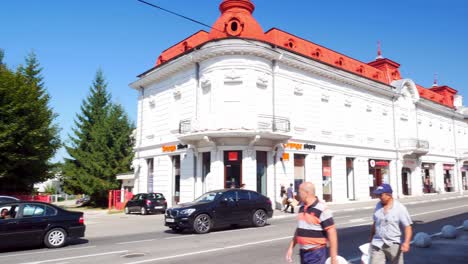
point(290, 200)
point(315, 228)
point(389, 215)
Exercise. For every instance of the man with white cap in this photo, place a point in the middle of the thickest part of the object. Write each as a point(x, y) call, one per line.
point(389, 216)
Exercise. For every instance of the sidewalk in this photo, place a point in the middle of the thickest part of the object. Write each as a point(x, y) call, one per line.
point(369, 204)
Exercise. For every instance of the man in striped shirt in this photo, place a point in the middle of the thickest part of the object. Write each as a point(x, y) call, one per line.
point(315, 227)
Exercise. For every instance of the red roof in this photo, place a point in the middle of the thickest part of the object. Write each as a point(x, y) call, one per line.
point(236, 20)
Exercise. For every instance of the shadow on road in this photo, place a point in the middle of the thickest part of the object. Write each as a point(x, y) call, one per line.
point(351, 238)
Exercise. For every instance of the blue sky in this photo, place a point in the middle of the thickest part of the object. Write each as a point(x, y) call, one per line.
point(72, 39)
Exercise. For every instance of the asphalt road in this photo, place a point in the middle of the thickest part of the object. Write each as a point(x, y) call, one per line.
point(144, 239)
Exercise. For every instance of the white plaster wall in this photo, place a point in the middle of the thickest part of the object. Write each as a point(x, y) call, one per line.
point(249, 169)
point(187, 183)
point(339, 179)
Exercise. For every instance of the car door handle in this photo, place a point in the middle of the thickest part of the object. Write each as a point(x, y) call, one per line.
point(12, 223)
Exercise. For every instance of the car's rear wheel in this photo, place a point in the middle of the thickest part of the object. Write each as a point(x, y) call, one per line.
point(143, 210)
point(202, 224)
point(126, 210)
point(55, 238)
point(259, 218)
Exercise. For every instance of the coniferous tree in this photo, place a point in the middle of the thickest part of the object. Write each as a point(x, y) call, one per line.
point(101, 146)
point(29, 137)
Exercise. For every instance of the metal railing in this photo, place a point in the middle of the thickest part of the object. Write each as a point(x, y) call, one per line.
point(185, 126)
point(413, 143)
point(264, 122)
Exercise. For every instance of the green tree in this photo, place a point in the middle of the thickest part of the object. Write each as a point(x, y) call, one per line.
point(101, 146)
point(28, 134)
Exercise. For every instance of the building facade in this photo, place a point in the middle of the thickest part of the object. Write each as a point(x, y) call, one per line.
point(265, 109)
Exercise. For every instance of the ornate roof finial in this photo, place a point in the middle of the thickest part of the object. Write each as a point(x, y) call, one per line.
point(435, 84)
point(379, 51)
point(241, 4)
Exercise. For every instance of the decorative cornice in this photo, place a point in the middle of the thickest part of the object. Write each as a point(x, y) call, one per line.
point(223, 47)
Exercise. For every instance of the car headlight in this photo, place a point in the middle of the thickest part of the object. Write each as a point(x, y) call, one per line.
point(187, 212)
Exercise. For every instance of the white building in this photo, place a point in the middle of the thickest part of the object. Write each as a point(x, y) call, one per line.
point(269, 108)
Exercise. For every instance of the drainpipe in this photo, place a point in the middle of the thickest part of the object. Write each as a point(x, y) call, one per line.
point(457, 160)
point(197, 87)
point(396, 145)
point(142, 94)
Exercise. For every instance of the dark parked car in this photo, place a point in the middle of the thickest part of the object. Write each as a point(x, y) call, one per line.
point(4, 199)
point(29, 223)
point(146, 203)
point(218, 208)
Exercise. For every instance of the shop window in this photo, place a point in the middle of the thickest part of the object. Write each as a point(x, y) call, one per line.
point(378, 174)
point(327, 178)
point(299, 170)
point(206, 168)
point(150, 164)
point(428, 178)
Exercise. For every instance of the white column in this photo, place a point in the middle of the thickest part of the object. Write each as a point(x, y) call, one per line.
point(314, 172)
point(186, 176)
point(249, 169)
point(361, 178)
point(338, 171)
point(396, 167)
point(439, 177)
point(416, 179)
point(273, 186)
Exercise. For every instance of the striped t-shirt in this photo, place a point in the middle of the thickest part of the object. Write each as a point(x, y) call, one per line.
point(312, 225)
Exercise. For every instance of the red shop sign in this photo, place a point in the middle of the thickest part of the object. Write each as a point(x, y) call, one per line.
point(326, 171)
point(381, 163)
point(232, 156)
point(448, 167)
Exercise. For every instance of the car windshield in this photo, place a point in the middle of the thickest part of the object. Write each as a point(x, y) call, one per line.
point(208, 197)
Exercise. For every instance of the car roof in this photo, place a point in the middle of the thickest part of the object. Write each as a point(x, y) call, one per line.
point(11, 197)
point(28, 202)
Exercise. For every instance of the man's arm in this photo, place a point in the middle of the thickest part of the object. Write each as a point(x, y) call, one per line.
point(405, 247)
point(292, 244)
point(372, 232)
point(333, 240)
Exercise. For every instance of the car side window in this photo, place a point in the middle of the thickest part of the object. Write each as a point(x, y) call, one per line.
point(243, 195)
point(254, 196)
point(142, 197)
point(50, 211)
point(33, 210)
point(159, 196)
point(230, 196)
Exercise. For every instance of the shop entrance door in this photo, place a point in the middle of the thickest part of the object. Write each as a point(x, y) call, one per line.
point(232, 169)
point(405, 181)
point(176, 175)
point(262, 172)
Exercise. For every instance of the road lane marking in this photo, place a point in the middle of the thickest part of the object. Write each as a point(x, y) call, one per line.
point(45, 251)
point(209, 250)
point(176, 237)
point(76, 257)
point(440, 210)
point(136, 241)
point(342, 216)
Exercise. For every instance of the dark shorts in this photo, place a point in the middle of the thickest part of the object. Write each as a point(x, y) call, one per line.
point(318, 256)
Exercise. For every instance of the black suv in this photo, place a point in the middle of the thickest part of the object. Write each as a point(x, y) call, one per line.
point(146, 203)
point(218, 208)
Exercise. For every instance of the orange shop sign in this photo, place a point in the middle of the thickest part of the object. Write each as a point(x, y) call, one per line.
point(299, 146)
point(172, 148)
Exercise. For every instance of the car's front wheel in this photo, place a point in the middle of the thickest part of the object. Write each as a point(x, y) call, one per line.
point(259, 218)
point(202, 224)
point(55, 238)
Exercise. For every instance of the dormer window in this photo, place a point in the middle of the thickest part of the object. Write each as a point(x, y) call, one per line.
point(291, 44)
point(360, 69)
point(340, 62)
point(316, 53)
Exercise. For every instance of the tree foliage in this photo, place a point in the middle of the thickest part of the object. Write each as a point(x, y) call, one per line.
point(28, 134)
point(101, 146)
